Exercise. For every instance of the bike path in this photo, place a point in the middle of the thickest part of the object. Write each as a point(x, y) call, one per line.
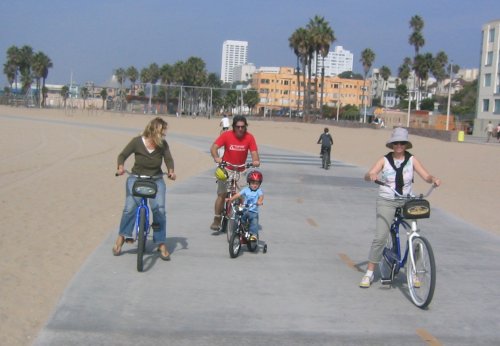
point(318, 225)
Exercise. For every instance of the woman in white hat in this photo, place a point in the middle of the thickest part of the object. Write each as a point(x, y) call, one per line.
point(395, 169)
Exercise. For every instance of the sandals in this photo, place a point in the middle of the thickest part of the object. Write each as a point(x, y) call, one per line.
point(162, 256)
point(117, 248)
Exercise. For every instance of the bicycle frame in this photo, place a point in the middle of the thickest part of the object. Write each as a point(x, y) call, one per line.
point(399, 260)
point(143, 205)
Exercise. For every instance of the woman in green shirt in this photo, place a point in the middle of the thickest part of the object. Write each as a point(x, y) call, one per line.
point(150, 150)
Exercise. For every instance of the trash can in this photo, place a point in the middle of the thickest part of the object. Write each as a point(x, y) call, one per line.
point(461, 136)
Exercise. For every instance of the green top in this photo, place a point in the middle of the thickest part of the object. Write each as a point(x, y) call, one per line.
point(146, 163)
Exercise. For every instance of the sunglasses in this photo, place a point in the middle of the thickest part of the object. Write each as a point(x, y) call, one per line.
point(240, 127)
point(400, 143)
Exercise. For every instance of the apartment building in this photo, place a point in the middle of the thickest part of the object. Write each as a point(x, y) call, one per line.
point(488, 103)
point(243, 73)
point(234, 53)
point(337, 61)
point(278, 89)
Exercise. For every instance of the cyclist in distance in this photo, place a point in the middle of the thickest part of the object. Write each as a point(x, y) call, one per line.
point(396, 170)
point(236, 143)
point(253, 196)
point(326, 141)
point(150, 150)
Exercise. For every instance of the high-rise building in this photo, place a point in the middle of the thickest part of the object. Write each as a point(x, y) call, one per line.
point(488, 103)
point(234, 53)
point(337, 61)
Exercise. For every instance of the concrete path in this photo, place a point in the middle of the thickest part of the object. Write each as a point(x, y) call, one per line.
point(304, 291)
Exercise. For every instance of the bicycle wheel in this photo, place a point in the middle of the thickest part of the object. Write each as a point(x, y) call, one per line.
point(226, 214)
point(324, 160)
point(232, 224)
point(421, 278)
point(141, 243)
point(234, 244)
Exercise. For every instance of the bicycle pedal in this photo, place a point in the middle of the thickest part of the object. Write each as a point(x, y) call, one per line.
point(385, 281)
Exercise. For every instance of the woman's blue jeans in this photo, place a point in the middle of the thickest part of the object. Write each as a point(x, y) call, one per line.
point(253, 219)
point(157, 205)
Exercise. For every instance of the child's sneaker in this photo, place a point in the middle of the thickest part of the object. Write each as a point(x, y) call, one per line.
point(253, 237)
point(366, 281)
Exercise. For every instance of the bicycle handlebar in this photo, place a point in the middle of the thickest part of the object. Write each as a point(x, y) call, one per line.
point(223, 164)
point(381, 183)
point(143, 176)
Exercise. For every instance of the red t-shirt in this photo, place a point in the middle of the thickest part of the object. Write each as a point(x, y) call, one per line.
point(236, 149)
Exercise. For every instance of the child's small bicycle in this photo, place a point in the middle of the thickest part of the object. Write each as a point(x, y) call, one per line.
point(239, 231)
point(144, 187)
point(234, 177)
point(421, 270)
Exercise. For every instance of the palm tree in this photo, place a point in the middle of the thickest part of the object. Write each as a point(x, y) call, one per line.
point(25, 61)
point(385, 73)
point(65, 94)
point(422, 66)
point(40, 67)
point(296, 43)
point(84, 93)
point(404, 69)
point(367, 58)
point(13, 62)
point(438, 68)
point(132, 75)
point(104, 95)
point(251, 99)
point(322, 36)
point(417, 40)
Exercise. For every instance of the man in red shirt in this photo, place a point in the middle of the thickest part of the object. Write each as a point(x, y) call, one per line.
point(237, 143)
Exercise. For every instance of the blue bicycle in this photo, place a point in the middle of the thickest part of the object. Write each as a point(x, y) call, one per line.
point(144, 187)
point(421, 270)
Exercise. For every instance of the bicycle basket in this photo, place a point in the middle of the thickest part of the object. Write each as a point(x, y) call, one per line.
point(417, 209)
point(144, 188)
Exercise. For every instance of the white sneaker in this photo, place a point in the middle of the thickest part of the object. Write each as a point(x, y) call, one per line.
point(366, 281)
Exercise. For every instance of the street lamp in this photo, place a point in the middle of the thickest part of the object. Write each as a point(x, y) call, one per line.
point(449, 99)
point(409, 108)
point(365, 102)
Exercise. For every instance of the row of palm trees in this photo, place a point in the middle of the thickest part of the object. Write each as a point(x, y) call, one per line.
point(24, 65)
point(192, 77)
point(313, 41)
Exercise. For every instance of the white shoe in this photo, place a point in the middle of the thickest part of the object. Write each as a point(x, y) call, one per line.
point(366, 281)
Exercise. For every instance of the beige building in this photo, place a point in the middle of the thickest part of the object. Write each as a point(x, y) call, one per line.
point(278, 90)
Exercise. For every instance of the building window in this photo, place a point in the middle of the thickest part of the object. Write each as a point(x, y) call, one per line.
point(497, 106)
point(487, 80)
point(486, 105)
point(492, 35)
point(489, 59)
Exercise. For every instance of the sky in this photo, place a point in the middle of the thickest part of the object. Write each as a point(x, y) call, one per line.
point(90, 39)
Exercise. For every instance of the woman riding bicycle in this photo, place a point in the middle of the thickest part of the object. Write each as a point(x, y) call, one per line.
point(396, 170)
point(150, 149)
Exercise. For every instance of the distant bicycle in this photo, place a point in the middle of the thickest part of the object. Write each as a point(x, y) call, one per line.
point(239, 231)
point(144, 187)
point(421, 269)
point(325, 157)
point(233, 178)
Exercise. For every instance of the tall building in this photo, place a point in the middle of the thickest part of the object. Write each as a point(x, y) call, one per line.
point(488, 102)
point(337, 61)
point(243, 73)
point(234, 53)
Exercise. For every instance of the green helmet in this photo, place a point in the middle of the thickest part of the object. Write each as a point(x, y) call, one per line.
point(221, 174)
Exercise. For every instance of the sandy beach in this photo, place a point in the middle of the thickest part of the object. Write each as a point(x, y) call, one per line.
point(60, 199)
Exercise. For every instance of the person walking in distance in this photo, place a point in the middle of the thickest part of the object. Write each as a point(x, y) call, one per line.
point(237, 144)
point(489, 131)
point(326, 141)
